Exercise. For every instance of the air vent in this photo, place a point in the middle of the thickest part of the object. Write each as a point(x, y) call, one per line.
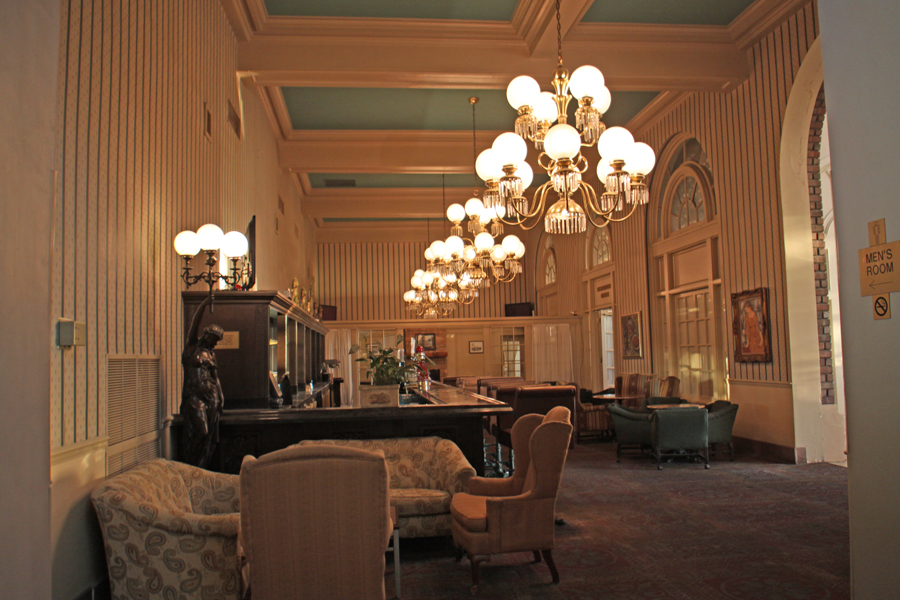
point(133, 410)
point(340, 183)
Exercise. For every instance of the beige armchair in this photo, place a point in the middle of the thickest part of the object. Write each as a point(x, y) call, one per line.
point(315, 523)
point(516, 514)
point(170, 531)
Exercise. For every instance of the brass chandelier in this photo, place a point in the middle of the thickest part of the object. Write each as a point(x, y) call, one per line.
point(623, 166)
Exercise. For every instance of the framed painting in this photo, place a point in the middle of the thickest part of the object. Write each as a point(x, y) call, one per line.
point(476, 347)
point(752, 337)
point(426, 340)
point(631, 336)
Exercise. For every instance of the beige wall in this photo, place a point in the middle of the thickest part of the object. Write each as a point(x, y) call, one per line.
point(28, 60)
point(861, 57)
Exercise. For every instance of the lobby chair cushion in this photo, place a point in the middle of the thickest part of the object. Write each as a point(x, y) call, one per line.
point(470, 511)
point(425, 473)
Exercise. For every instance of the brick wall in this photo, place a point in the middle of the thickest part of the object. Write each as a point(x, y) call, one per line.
point(823, 303)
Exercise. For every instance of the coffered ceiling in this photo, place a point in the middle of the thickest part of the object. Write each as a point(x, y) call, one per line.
point(369, 99)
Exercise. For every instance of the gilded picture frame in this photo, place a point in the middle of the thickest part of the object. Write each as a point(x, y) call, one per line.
point(750, 326)
point(632, 341)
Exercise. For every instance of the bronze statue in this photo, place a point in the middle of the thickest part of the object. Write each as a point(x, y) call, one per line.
point(201, 394)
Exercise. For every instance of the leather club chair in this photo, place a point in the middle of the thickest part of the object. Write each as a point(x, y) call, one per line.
point(516, 514)
point(632, 429)
point(721, 423)
point(311, 515)
point(680, 431)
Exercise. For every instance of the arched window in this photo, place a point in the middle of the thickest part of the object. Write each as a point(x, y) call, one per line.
point(550, 267)
point(686, 187)
point(687, 205)
point(599, 248)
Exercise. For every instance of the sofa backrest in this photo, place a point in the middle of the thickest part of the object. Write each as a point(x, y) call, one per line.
point(633, 384)
point(412, 462)
point(157, 482)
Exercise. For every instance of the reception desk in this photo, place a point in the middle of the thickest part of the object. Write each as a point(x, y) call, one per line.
point(443, 411)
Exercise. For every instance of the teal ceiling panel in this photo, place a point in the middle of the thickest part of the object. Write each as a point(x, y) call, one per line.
point(665, 12)
point(386, 109)
point(478, 10)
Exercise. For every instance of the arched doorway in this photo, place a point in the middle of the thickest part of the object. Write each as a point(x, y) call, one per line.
point(818, 427)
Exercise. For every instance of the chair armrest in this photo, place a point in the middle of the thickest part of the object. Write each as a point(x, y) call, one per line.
point(189, 524)
point(112, 505)
point(213, 493)
point(452, 471)
point(484, 486)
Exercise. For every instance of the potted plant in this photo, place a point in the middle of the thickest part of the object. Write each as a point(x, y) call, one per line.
point(386, 373)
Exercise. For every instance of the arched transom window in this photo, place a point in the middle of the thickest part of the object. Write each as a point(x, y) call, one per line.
point(688, 205)
point(550, 267)
point(600, 248)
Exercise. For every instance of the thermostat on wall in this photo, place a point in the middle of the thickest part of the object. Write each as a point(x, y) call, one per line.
point(71, 333)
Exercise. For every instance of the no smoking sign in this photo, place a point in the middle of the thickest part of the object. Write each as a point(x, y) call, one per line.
point(881, 306)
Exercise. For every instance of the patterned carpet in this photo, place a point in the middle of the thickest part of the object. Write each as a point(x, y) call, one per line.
point(746, 530)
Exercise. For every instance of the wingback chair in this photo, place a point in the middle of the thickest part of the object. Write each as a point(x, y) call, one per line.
point(681, 430)
point(315, 523)
point(632, 429)
point(516, 514)
point(721, 423)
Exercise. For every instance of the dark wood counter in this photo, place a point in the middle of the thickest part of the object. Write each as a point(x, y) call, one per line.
point(442, 411)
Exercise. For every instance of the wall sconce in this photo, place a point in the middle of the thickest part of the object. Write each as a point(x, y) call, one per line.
point(211, 239)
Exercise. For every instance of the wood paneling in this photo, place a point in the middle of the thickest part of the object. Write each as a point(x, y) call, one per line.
point(366, 282)
point(135, 169)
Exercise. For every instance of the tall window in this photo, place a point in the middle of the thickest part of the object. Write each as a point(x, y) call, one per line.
point(689, 312)
point(550, 267)
point(599, 247)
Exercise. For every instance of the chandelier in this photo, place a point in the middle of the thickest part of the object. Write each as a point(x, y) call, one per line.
point(622, 168)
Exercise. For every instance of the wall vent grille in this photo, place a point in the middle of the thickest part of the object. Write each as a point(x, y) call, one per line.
point(133, 410)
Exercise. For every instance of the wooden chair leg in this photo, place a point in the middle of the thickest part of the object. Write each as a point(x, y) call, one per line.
point(537, 556)
point(476, 561)
point(548, 558)
point(730, 452)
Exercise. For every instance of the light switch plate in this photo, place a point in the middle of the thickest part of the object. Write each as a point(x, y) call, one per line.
point(71, 333)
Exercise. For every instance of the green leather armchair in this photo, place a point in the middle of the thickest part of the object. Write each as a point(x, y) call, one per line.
point(680, 431)
point(632, 429)
point(721, 423)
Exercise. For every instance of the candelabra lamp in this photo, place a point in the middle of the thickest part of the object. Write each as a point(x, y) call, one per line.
point(211, 239)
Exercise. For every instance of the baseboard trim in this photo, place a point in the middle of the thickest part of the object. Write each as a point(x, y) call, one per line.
point(770, 451)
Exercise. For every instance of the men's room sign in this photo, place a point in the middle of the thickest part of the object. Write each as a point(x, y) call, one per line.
point(879, 272)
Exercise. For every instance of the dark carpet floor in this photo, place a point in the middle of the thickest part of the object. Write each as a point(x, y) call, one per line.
point(743, 530)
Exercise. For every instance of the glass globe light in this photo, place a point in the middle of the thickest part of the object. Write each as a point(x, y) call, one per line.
point(451, 277)
point(488, 165)
point(545, 108)
point(510, 148)
point(604, 169)
point(210, 237)
point(640, 158)
point(429, 255)
point(520, 252)
point(416, 281)
point(469, 253)
point(603, 100)
point(453, 294)
point(522, 91)
point(525, 173)
point(234, 244)
point(427, 278)
point(614, 143)
point(487, 215)
point(562, 141)
point(484, 241)
point(498, 254)
point(438, 248)
point(586, 81)
point(455, 244)
point(456, 213)
point(499, 210)
point(474, 207)
point(186, 243)
point(511, 244)
point(419, 273)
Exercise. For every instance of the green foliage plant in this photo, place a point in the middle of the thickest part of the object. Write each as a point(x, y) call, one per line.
point(384, 368)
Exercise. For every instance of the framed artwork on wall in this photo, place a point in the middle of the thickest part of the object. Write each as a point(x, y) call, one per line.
point(631, 336)
point(476, 347)
point(752, 337)
point(426, 340)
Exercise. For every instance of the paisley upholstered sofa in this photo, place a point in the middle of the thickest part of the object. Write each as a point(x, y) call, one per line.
point(424, 473)
point(170, 531)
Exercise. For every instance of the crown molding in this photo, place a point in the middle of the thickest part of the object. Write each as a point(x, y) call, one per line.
point(344, 27)
point(239, 18)
point(761, 18)
point(412, 136)
point(657, 109)
point(636, 34)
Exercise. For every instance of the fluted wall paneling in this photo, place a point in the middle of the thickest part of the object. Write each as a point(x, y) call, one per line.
point(366, 282)
point(134, 169)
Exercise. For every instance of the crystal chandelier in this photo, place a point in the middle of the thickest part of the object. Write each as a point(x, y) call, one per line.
point(623, 166)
